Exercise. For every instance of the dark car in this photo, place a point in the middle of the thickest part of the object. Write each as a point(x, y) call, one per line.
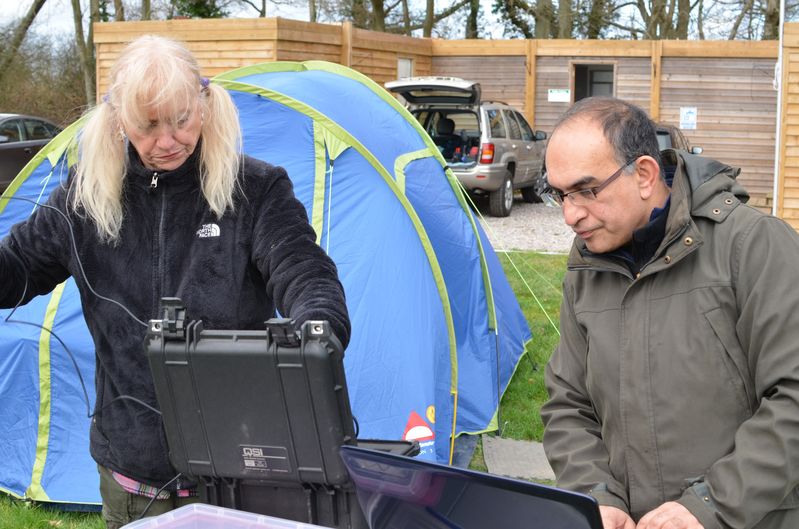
point(670, 137)
point(21, 137)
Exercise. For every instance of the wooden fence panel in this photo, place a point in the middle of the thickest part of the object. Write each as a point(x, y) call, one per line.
point(633, 79)
point(220, 45)
point(501, 78)
point(736, 113)
point(550, 73)
point(788, 184)
point(376, 54)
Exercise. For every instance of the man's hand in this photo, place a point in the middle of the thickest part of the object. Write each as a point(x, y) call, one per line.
point(670, 515)
point(615, 518)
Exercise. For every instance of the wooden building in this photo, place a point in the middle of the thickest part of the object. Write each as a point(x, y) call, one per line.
point(723, 90)
point(787, 203)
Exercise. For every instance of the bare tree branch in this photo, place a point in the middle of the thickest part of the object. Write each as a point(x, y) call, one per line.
point(631, 29)
point(19, 35)
point(262, 8)
point(119, 11)
point(737, 24)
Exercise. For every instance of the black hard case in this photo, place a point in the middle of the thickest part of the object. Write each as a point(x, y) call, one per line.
point(257, 417)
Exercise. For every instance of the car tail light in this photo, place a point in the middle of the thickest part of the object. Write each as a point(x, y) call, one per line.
point(487, 153)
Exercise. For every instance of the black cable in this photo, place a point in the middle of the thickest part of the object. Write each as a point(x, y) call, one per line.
point(127, 397)
point(77, 256)
point(155, 497)
point(8, 319)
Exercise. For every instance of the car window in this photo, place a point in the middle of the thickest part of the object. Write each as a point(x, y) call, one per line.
point(513, 125)
point(11, 129)
point(464, 121)
point(495, 124)
point(527, 132)
point(664, 140)
point(37, 130)
point(52, 129)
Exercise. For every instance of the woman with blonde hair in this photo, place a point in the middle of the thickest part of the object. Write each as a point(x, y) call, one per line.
point(162, 203)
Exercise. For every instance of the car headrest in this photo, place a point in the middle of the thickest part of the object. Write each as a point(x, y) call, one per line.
point(445, 126)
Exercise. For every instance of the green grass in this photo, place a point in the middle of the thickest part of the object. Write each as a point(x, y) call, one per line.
point(25, 515)
point(519, 416)
point(539, 299)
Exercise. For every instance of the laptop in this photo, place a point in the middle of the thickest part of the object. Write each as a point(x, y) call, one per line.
point(398, 492)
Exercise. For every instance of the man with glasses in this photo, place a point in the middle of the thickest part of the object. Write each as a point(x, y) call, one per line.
point(674, 390)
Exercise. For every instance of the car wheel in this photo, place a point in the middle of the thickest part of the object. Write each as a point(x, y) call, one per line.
point(530, 196)
point(500, 201)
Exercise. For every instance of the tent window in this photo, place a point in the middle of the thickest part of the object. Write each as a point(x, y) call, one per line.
point(593, 80)
point(404, 67)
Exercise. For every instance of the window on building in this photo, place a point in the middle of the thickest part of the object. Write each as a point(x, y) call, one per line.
point(404, 67)
point(593, 80)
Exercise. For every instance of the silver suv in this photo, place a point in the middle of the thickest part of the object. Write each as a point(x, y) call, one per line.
point(489, 145)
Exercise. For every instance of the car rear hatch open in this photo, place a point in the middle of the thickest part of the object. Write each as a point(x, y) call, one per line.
point(436, 90)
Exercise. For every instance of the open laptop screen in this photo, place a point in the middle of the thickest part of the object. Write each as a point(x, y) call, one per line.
point(397, 492)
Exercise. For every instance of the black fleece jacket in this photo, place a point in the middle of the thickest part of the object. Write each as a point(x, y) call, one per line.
point(231, 272)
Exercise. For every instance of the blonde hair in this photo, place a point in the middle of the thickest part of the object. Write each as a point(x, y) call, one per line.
point(153, 73)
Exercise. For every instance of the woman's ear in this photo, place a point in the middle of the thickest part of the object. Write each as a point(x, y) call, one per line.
point(648, 175)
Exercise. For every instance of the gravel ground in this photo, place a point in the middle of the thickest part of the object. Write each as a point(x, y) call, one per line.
point(529, 227)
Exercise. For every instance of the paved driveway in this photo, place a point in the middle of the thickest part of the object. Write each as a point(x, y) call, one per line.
point(529, 227)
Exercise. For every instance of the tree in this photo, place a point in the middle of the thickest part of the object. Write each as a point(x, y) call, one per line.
point(85, 46)
point(199, 9)
point(260, 6)
point(49, 69)
point(19, 35)
point(472, 31)
point(429, 15)
point(119, 11)
point(517, 15)
point(379, 15)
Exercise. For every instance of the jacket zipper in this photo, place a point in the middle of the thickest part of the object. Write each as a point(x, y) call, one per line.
point(161, 245)
point(158, 286)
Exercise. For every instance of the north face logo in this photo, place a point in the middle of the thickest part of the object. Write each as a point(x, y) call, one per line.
point(208, 230)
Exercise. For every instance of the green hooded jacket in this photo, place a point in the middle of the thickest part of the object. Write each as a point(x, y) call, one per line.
point(682, 384)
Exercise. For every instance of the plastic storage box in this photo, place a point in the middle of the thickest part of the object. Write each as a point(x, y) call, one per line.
point(202, 516)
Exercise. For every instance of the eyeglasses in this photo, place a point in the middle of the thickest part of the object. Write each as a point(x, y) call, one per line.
point(583, 197)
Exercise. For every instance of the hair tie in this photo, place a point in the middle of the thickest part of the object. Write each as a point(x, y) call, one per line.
point(204, 82)
point(107, 98)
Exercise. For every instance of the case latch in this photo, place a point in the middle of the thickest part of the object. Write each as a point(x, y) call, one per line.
point(173, 319)
point(283, 332)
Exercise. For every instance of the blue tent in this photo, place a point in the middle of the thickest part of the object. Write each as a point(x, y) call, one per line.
point(437, 331)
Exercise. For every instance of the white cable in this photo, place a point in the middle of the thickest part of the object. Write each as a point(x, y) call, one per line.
point(510, 259)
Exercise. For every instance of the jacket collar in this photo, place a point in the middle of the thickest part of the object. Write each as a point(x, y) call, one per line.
point(701, 187)
point(186, 175)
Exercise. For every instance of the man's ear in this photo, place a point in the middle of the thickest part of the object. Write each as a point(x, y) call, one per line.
point(649, 180)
